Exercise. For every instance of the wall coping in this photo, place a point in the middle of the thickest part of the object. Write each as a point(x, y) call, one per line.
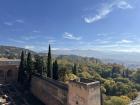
point(54, 82)
point(85, 82)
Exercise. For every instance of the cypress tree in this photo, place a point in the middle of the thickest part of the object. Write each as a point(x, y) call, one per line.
point(49, 64)
point(127, 73)
point(21, 72)
point(29, 67)
point(55, 70)
point(74, 70)
point(123, 74)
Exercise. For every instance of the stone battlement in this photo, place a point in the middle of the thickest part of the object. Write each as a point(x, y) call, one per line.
point(85, 82)
point(77, 92)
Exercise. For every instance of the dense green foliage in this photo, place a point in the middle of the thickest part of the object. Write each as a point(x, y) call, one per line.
point(74, 69)
point(122, 100)
point(21, 72)
point(118, 83)
point(116, 80)
point(55, 70)
point(39, 64)
point(30, 67)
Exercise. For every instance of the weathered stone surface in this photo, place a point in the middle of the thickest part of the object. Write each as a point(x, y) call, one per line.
point(84, 92)
point(52, 92)
point(49, 91)
point(8, 70)
point(8, 73)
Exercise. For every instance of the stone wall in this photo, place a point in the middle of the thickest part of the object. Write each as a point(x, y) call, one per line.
point(8, 73)
point(81, 92)
point(49, 91)
point(84, 92)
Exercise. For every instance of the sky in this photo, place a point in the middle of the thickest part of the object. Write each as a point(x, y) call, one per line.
point(104, 25)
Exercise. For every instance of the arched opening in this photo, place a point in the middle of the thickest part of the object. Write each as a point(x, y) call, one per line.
point(9, 73)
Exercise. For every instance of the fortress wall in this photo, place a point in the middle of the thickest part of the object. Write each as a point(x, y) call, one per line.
point(94, 97)
point(81, 92)
point(49, 91)
point(84, 92)
point(78, 94)
point(8, 73)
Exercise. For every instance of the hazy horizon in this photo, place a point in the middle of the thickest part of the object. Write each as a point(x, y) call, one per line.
point(84, 25)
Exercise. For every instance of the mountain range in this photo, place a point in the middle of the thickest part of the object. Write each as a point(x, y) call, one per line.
point(129, 59)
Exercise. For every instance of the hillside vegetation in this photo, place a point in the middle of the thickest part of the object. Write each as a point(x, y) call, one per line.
point(119, 85)
point(12, 52)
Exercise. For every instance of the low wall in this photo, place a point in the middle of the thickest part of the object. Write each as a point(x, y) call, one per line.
point(49, 91)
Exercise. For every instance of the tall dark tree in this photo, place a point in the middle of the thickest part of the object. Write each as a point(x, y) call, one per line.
point(123, 74)
point(21, 72)
point(29, 67)
point(55, 70)
point(74, 69)
point(127, 73)
point(49, 64)
point(39, 65)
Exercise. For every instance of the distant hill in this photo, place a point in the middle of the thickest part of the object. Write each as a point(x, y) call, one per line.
point(12, 52)
point(129, 59)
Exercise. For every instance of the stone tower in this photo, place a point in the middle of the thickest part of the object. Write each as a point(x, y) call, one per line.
point(84, 92)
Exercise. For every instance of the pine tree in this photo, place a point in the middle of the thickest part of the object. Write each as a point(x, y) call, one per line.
point(21, 72)
point(49, 64)
point(74, 70)
point(55, 70)
point(29, 67)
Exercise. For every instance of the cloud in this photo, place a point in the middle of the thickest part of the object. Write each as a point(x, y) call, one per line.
point(30, 37)
point(102, 13)
point(124, 41)
point(71, 36)
point(20, 21)
point(8, 23)
point(105, 34)
point(52, 41)
point(30, 47)
point(124, 5)
point(17, 41)
point(13, 22)
point(106, 9)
